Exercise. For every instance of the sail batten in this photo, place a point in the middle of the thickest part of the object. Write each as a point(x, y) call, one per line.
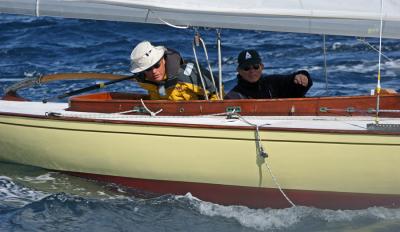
point(336, 17)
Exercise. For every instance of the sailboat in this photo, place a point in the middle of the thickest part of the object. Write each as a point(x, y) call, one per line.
point(326, 152)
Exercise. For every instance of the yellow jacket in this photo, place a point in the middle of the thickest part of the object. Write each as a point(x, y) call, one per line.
point(180, 92)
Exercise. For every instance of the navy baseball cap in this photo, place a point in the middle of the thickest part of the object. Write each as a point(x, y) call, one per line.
point(248, 57)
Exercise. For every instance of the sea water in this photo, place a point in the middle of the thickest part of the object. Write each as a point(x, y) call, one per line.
point(33, 199)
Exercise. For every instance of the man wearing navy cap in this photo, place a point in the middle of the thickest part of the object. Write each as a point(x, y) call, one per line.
point(253, 84)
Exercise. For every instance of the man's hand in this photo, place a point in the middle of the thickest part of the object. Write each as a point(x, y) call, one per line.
point(301, 79)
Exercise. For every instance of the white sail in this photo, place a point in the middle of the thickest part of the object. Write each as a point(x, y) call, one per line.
point(335, 17)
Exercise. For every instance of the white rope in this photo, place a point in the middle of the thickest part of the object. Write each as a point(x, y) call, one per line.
point(172, 25)
point(37, 8)
point(261, 152)
point(209, 67)
point(361, 111)
point(364, 41)
point(165, 22)
point(152, 114)
point(389, 111)
point(325, 66)
point(221, 94)
point(378, 84)
point(126, 112)
point(280, 189)
point(198, 68)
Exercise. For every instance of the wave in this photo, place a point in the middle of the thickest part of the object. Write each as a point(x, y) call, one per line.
point(13, 195)
point(301, 218)
point(51, 201)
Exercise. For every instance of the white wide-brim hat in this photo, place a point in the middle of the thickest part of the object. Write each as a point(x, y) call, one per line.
point(145, 55)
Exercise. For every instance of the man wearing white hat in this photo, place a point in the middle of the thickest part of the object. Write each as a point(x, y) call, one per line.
point(164, 74)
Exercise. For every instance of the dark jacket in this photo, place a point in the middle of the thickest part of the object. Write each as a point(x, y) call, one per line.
point(270, 86)
point(182, 82)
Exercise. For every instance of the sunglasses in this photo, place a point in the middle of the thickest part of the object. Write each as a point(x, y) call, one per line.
point(155, 66)
point(251, 66)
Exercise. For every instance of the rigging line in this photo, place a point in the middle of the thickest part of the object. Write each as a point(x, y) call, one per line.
point(147, 15)
point(280, 188)
point(378, 84)
point(209, 67)
point(325, 66)
point(388, 111)
point(165, 22)
point(361, 111)
point(195, 42)
point(152, 114)
point(263, 154)
point(221, 91)
point(363, 40)
point(37, 8)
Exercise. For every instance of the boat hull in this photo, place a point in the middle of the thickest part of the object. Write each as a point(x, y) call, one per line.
point(254, 197)
point(222, 165)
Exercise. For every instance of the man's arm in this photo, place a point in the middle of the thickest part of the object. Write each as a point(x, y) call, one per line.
point(289, 86)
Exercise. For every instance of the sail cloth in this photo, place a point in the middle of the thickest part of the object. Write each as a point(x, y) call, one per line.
point(335, 17)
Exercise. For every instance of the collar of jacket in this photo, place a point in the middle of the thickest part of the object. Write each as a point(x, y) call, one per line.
point(173, 62)
point(248, 85)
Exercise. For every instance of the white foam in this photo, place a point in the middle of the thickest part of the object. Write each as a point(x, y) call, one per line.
point(260, 219)
point(336, 45)
point(281, 219)
point(14, 194)
point(350, 215)
point(38, 179)
point(389, 68)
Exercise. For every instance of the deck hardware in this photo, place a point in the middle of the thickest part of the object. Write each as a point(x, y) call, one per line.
point(292, 110)
point(262, 153)
point(323, 109)
point(139, 109)
point(350, 109)
point(232, 116)
point(233, 109)
point(386, 127)
point(52, 114)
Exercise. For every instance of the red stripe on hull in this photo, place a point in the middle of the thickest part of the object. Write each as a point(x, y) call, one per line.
point(251, 196)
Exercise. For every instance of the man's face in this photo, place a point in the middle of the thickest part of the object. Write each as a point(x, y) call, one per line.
point(251, 72)
point(156, 72)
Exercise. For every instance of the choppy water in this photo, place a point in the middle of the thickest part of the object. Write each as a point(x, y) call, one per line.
point(33, 199)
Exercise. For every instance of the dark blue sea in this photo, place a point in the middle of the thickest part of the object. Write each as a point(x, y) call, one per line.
point(33, 199)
